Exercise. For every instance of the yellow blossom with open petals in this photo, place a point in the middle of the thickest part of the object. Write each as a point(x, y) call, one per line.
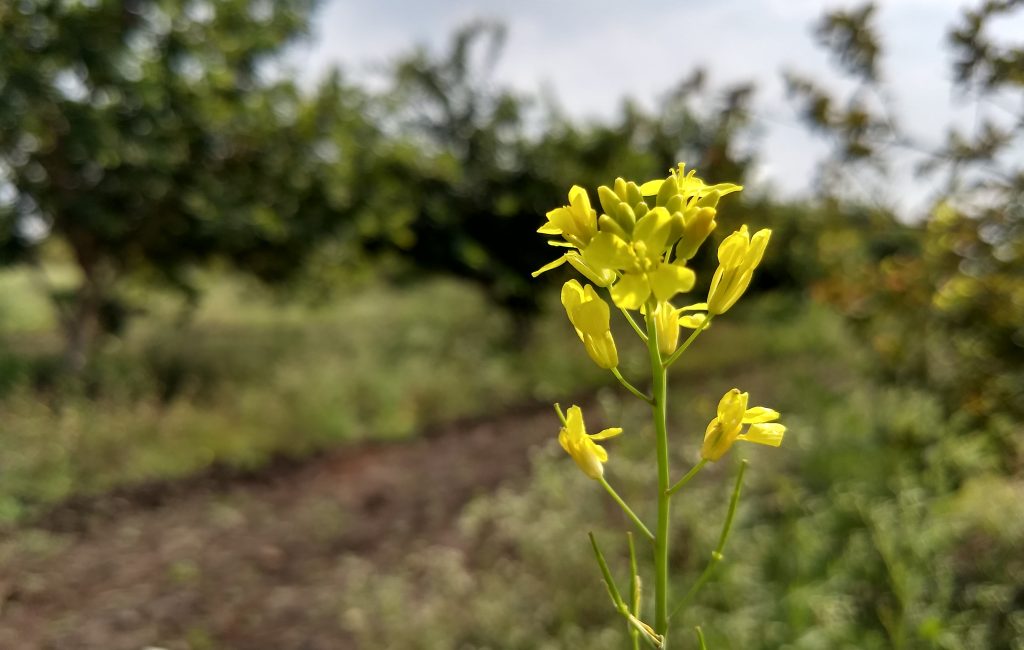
point(589, 456)
point(576, 222)
point(640, 261)
point(727, 428)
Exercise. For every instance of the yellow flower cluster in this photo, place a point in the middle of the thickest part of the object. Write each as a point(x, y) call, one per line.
point(637, 248)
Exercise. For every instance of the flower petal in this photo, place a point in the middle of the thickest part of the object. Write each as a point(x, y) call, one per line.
point(697, 306)
point(764, 434)
point(592, 316)
point(574, 421)
point(631, 291)
point(669, 279)
point(607, 251)
point(607, 433)
point(760, 414)
point(731, 409)
point(650, 188)
point(601, 278)
point(653, 230)
point(693, 321)
point(734, 248)
point(550, 265)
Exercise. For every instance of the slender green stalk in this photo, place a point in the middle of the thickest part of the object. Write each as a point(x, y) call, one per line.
point(700, 638)
point(716, 555)
point(613, 591)
point(634, 590)
point(629, 512)
point(632, 323)
point(733, 502)
point(689, 475)
point(561, 416)
point(650, 636)
point(682, 348)
point(630, 387)
point(659, 388)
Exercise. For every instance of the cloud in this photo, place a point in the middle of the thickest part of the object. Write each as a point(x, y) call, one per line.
point(592, 53)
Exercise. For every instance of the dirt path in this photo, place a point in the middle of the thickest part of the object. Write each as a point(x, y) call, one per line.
point(246, 564)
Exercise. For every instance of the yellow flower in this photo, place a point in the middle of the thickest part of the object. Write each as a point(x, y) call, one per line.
point(581, 446)
point(686, 186)
point(727, 428)
point(576, 222)
point(640, 261)
point(738, 256)
point(590, 315)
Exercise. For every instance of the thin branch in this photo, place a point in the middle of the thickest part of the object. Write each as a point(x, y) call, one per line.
point(700, 638)
point(689, 475)
point(634, 589)
point(629, 512)
point(716, 555)
point(682, 348)
point(630, 387)
point(613, 591)
point(632, 323)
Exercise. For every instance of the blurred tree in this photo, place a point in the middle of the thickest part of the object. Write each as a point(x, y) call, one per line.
point(940, 303)
point(149, 136)
point(474, 166)
point(947, 311)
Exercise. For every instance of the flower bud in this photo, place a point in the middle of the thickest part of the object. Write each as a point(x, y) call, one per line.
point(698, 226)
point(666, 323)
point(738, 256)
point(667, 190)
point(633, 193)
point(621, 189)
point(591, 318)
point(608, 198)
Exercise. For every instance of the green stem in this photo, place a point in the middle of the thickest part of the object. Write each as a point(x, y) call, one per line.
point(700, 638)
point(716, 555)
point(659, 388)
point(633, 621)
point(682, 348)
point(632, 323)
point(629, 512)
point(630, 387)
point(561, 416)
point(634, 590)
point(613, 591)
point(689, 475)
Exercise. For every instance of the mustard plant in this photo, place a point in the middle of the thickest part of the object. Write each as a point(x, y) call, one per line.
point(636, 252)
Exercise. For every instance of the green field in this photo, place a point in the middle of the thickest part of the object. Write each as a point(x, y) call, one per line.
point(853, 534)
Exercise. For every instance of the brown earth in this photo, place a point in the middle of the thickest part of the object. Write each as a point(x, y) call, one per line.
point(246, 562)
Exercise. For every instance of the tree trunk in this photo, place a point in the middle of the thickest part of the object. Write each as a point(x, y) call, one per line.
point(82, 327)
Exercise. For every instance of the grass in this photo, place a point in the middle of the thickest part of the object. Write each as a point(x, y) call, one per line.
point(872, 527)
point(249, 377)
point(880, 522)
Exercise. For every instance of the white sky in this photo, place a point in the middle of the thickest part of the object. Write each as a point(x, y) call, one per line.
point(592, 53)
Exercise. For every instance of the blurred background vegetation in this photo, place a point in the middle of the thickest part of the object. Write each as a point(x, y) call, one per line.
point(208, 268)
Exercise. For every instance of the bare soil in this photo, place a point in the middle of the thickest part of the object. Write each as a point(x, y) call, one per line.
point(246, 561)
